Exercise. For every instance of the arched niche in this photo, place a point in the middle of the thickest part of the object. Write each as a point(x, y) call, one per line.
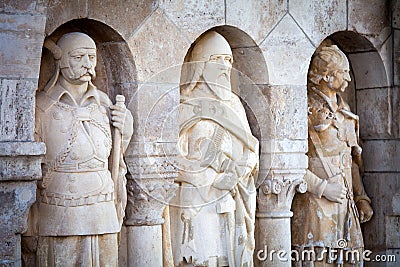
point(249, 79)
point(116, 70)
point(368, 90)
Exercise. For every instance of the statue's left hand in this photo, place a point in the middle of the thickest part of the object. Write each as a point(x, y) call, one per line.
point(365, 210)
point(122, 119)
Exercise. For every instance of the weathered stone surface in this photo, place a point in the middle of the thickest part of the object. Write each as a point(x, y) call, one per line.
point(20, 160)
point(119, 62)
point(15, 199)
point(235, 36)
point(374, 110)
point(381, 187)
point(351, 42)
point(19, 7)
point(392, 234)
point(386, 53)
point(381, 155)
point(372, 20)
point(396, 204)
point(125, 17)
point(257, 109)
point(116, 70)
point(256, 18)
point(284, 146)
point(155, 109)
point(59, 12)
point(288, 53)
point(194, 17)
point(10, 249)
point(395, 99)
point(319, 19)
point(149, 243)
point(251, 63)
point(395, 8)
point(368, 69)
point(290, 117)
point(287, 161)
point(21, 45)
point(154, 51)
point(17, 119)
point(396, 57)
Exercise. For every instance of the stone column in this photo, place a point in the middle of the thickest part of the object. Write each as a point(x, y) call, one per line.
point(150, 188)
point(152, 164)
point(273, 236)
point(19, 170)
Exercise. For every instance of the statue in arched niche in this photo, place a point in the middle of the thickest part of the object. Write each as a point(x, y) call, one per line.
point(327, 218)
point(214, 225)
point(80, 206)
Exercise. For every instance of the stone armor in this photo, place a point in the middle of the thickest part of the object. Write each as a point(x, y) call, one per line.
point(77, 185)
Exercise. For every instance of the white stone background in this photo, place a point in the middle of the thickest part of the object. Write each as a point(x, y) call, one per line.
point(287, 32)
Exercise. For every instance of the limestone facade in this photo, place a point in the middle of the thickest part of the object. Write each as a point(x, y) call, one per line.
point(141, 46)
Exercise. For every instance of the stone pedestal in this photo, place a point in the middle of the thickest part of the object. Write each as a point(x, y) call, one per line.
point(19, 168)
point(274, 199)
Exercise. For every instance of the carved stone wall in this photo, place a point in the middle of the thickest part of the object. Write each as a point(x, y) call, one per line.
point(157, 36)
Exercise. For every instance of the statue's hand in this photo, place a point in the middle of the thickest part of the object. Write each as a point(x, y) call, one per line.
point(122, 119)
point(364, 210)
point(334, 190)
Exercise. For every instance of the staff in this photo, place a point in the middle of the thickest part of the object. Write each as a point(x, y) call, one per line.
point(116, 154)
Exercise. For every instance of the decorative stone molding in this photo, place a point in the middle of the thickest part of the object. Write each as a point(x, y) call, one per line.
point(276, 193)
point(21, 160)
point(147, 199)
point(150, 185)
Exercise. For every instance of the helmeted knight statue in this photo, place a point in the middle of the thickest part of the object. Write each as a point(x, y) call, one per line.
point(213, 224)
point(80, 207)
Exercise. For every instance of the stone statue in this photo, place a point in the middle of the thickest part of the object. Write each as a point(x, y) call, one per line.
point(327, 218)
point(80, 206)
point(214, 224)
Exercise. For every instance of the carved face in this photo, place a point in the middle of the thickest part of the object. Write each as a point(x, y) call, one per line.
point(217, 71)
point(82, 63)
point(338, 80)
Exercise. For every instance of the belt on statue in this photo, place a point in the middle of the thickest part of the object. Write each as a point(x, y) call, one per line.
point(70, 201)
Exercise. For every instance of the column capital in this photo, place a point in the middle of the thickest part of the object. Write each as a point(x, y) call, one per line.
point(276, 192)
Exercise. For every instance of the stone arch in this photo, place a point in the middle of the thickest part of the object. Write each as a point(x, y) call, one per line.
point(249, 79)
point(116, 70)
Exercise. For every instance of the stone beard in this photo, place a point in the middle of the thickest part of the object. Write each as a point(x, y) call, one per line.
point(213, 224)
point(77, 215)
point(329, 212)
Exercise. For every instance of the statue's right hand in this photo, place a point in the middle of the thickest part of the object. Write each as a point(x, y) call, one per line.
point(335, 191)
